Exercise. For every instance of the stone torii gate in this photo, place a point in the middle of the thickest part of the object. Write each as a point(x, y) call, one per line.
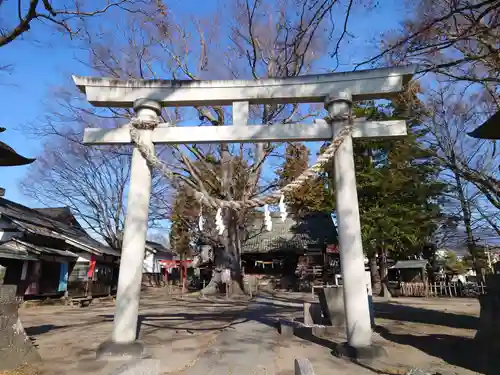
point(147, 97)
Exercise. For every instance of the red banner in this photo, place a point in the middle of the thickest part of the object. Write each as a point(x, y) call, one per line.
point(92, 262)
point(332, 249)
point(174, 263)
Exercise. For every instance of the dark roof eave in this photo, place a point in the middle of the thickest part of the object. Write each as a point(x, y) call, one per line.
point(10, 158)
point(489, 130)
point(76, 242)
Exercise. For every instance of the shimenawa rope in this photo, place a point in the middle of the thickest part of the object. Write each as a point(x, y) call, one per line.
point(147, 149)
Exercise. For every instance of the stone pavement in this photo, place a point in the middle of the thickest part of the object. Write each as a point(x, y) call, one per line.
point(249, 347)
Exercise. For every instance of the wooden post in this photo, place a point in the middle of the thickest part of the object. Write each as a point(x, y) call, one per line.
point(183, 277)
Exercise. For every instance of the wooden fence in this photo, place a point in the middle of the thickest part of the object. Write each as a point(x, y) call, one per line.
point(441, 290)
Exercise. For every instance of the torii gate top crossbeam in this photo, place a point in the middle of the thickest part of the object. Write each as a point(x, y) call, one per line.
point(362, 85)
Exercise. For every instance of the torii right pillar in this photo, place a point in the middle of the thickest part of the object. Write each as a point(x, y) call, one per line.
point(357, 312)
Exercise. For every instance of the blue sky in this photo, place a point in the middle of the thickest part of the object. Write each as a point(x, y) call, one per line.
point(39, 67)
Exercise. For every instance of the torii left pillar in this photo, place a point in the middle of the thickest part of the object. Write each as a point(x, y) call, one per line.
point(124, 342)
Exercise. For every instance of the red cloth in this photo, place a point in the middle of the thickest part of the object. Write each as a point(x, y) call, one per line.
point(90, 273)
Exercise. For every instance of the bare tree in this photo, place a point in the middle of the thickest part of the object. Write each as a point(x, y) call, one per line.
point(92, 182)
point(470, 165)
point(458, 39)
point(17, 19)
point(266, 41)
point(456, 42)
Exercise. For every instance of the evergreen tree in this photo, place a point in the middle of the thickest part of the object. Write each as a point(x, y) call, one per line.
point(399, 192)
point(182, 220)
point(313, 195)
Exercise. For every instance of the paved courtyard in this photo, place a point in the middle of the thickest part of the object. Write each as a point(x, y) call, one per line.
point(195, 337)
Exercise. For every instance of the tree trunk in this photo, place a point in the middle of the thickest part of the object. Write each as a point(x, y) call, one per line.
point(375, 275)
point(234, 254)
point(227, 259)
point(467, 219)
point(214, 284)
point(383, 272)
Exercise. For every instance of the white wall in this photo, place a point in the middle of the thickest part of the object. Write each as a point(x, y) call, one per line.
point(150, 263)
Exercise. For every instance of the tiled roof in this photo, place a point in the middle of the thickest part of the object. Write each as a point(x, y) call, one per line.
point(21, 247)
point(406, 264)
point(12, 250)
point(61, 214)
point(294, 234)
point(37, 222)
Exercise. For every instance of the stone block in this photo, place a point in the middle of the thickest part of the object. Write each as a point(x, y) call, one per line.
point(319, 330)
point(331, 300)
point(115, 351)
point(367, 353)
point(303, 367)
point(312, 313)
point(16, 348)
point(7, 293)
point(286, 328)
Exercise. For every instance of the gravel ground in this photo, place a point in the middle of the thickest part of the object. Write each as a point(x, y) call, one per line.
point(194, 337)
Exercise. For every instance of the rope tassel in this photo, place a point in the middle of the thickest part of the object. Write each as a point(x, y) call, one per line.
point(201, 220)
point(219, 223)
point(267, 218)
point(283, 212)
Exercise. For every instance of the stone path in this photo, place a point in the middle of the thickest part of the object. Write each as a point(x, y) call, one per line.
point(246, 348)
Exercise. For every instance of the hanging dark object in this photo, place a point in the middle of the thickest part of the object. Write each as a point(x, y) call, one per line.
point(9, 157)
point(490, 129)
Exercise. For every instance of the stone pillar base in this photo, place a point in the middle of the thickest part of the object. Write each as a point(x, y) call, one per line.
point(114, 351)
point(366, 353)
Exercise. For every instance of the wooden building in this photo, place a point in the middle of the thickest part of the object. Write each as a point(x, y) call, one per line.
point(153, 273)
point(46, 253)
point(297, 250)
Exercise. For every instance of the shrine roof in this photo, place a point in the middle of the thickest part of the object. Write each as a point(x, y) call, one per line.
point(61, 214)
point(410, 264)
point(296, 233)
